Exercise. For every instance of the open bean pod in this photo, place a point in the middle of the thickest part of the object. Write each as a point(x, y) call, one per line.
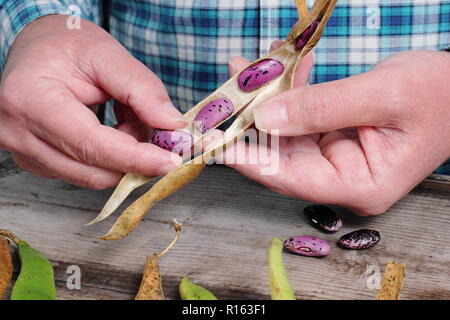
point(262, 79)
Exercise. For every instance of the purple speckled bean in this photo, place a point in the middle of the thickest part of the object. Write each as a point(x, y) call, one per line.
point(360, 239)
point(213, 113)
point(176, 141)
point(259, 74)
point(323, 218)
point(307, 246)
point(304, 37)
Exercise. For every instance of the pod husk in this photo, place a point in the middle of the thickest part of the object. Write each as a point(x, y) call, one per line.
point(245, 103)
point(392, 282)
point(128, 183)
point(6, 266)
point(131, 217)
point(151, 285)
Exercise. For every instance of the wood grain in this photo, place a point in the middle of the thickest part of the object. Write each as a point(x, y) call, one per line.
point(228, 224)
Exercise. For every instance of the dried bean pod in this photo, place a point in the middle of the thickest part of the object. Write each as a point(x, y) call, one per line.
point(304, 37)
point(360, 239)
point(175, 141)
point(308, 246)
point(213, 113)
point(392, 282)
point(6, 266)
point(323, 218)
point(259, 74)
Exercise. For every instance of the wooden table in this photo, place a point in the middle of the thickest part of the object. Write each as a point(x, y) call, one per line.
point(229, 222)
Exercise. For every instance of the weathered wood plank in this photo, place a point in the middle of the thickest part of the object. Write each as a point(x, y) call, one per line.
point(229, 221)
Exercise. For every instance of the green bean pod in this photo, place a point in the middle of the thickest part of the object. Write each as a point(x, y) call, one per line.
point(280, 288)
point(191, 291)
point(36, 279)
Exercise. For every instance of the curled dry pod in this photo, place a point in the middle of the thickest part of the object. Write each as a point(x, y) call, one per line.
point(6, 267)
point(151, 284)
point(175, 141)
point(131, 217)
point(323, 218)
point(392, 282)
point(213, 113)
point(360, 239)
point(259, 74)
point(304, 37)
point(308, 246)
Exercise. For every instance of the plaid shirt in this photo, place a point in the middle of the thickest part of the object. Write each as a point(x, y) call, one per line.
point(188, 43)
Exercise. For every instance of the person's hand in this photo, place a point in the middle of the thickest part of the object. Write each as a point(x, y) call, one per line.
point(52, 76)
point(381, 133)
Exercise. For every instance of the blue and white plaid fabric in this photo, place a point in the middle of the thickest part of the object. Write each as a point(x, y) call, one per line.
point(188, 43)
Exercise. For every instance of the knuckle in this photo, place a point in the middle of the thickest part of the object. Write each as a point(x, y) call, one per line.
point(82, 151)
point(371, 202)
point(132, 165)
point(374, 209)
point(95, 182)
point(8, 96)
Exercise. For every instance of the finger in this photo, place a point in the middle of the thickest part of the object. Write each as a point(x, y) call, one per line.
point(89, 142)
point(32, 166)
point(136, 129)
point(236, 64)
point(331, 137)
point(239, 63)
point(303, 70)
point(64, 167)
point(133, 84)
point(275, 45)
point(301, 144)
point(129, 122)
point(324, 107)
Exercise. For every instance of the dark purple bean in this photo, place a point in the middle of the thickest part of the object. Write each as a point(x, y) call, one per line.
point(307, 246)
point(259, 74)
point(175, 141)
point(323, 218)
point(304, 37)
point(360, 239)
point(213, 113)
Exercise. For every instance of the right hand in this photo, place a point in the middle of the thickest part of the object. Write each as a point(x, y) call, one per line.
point(52, 76)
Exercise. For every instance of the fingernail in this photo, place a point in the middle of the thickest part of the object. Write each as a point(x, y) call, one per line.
point(231, 69)
point(175, 162)
point(271, 115)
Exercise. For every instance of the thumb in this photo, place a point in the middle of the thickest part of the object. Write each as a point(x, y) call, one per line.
point(130, 82)
point(350, 102)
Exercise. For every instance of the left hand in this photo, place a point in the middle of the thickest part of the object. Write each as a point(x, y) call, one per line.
point(362, 142)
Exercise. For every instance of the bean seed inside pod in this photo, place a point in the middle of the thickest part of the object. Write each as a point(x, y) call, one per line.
point(213, 113)
point(360, 239)
point(304, 37)
point(259, 74)
point(307, 246)
point(323, 218)
point(176, 141)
